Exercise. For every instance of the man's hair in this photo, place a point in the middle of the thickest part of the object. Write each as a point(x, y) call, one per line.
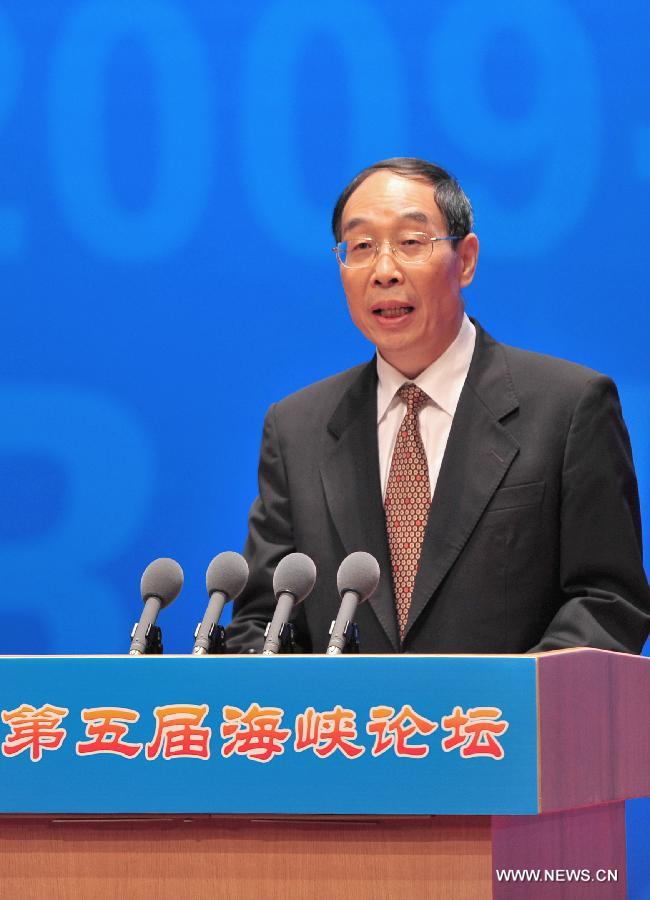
point(449, 195)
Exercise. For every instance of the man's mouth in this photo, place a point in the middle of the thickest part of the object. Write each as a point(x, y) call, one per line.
point(393, 312)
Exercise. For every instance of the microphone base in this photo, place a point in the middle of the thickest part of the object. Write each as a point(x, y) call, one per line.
point(351, 644)
point(216, 643)
point(287, 643)
point(153, 643)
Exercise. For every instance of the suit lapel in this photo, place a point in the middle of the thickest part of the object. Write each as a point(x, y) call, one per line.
point(350, 475)
point(478, 454)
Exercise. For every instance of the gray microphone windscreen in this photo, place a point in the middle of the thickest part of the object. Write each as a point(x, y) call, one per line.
point(227, 573)
point(163, 578)
point(295, 574)
point(359, 572)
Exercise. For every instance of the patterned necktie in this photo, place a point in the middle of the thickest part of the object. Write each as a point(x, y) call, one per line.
point(407, 501)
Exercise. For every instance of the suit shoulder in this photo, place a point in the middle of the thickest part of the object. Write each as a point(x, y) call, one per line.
point(541, 370)
point(322, 397)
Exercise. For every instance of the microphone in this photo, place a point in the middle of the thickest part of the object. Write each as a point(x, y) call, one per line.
point(225, 579)
point(357, 579)
point(293, 580)
point(161, 583)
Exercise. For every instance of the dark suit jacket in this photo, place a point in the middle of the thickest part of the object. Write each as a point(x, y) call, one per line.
point(533, 539)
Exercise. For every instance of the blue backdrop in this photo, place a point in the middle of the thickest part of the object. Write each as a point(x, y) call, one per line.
point(167, 174)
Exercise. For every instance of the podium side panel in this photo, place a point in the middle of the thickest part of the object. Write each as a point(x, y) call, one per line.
point(575, 854)
point(594, 728)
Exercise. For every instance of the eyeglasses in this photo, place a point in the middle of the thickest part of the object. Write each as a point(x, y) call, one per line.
point(408, 247)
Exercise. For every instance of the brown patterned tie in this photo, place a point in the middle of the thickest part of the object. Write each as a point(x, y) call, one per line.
point(407, 501)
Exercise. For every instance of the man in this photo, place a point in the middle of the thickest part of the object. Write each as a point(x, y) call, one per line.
point(494, 486)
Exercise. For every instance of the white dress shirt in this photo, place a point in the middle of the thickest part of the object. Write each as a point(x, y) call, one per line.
point(443, 381)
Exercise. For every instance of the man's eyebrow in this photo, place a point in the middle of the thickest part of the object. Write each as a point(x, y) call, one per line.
point(353, 224)
point(414, 215)
point(417, 216)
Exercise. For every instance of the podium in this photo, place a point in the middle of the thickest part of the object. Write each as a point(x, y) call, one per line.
point(354, 776)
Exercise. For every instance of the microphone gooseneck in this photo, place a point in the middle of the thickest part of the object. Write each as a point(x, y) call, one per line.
point(357, 579)
point(225, 579)
point(160, 584)
point(293, 580)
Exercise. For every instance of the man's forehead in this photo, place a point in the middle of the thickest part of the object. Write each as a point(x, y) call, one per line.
point(387, 197)
point(410, 217)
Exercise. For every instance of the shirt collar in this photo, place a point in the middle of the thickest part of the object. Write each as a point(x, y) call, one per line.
point(443, 380)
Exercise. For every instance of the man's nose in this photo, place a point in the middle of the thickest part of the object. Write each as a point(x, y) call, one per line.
point(387, 270)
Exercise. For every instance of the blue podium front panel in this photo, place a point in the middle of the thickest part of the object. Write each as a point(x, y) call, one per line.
point(345, 735)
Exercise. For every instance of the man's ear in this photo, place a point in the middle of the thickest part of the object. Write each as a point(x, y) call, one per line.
point(467, 250)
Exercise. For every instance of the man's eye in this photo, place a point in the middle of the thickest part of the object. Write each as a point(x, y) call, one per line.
point(359, 245)
point(411, 241)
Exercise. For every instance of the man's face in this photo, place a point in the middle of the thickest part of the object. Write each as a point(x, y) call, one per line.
point(411, 312)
